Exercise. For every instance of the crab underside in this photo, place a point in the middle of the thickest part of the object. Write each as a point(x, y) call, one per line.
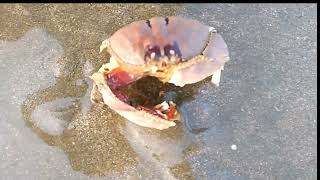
point(117, 89)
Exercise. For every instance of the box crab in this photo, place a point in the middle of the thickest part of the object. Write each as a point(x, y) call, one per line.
point(173, 49)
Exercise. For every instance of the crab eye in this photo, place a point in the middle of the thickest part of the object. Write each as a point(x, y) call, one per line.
point(153, 52)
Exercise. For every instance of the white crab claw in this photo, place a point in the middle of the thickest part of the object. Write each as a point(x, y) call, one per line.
point(104, 45)
point(216, 77)
point(212, 29)
point(163, 106)
point(172, 103)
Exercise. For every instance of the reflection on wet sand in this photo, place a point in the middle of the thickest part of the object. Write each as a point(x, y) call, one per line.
point(163, 152)
point(91, 147)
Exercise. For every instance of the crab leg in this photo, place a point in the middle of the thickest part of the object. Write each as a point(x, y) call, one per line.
point(215, 56)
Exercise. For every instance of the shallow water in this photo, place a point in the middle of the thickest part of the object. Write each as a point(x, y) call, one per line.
point(265, 105)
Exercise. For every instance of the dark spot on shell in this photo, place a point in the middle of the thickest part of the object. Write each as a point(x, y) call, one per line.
point(150, 49)
point(148, 23)
point(167, 20)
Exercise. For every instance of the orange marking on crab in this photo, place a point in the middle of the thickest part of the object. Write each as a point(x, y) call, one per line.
point(171, 112)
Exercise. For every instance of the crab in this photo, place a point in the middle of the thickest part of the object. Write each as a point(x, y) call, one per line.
point(173, 49)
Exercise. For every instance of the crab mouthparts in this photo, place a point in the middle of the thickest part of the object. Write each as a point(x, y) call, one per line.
point(119, 82)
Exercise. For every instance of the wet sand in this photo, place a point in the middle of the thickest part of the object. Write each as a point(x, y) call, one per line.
point(265, 104)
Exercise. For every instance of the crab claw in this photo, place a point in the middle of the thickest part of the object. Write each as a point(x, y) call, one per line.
point(118, 103)
point(104, 45)
point(215, 56)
